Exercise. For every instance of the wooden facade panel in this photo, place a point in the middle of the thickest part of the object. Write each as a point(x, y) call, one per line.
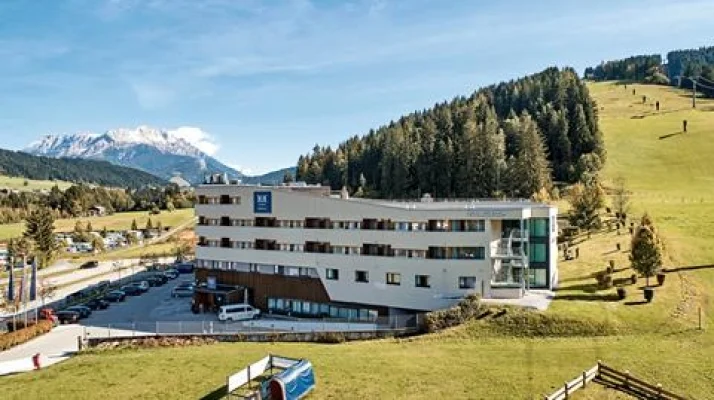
point(262, 286)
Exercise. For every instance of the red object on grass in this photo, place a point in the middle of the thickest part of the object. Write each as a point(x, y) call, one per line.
point(36, 361)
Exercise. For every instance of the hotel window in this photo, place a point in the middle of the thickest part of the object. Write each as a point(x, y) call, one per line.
point(539, 227)
point(421, 281)
point(332, 274)
point(394, 278)
point(538, 252)
point(477, 225)
point(361, 276)
point(467, 282)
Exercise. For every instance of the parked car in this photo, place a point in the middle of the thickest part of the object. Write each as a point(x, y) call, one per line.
point(142, 285)
point(67, 317)
point(131, 290)
point(115, 296)
point(171, 273)
point(97, 304)
point(237, 312)
point(89, 264)
point(182, 291)
point(156, 280)
point(83, 311)
point(184, 268)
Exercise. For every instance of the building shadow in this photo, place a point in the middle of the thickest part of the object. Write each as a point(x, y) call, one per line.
point(219, 393)
point(669, 135)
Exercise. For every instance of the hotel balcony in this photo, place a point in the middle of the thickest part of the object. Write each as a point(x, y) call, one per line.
point(504, 248)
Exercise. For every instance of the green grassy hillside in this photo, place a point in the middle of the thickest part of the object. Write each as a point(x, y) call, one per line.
point(670, 177)
point(12, 182)
point(118, 221)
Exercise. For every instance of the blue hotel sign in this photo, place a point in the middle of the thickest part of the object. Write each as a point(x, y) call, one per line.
point(262, 202)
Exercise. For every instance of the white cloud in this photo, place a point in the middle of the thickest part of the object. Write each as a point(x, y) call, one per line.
point(197, 137)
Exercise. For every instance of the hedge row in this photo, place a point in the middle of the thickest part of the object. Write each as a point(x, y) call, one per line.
point(23, 335)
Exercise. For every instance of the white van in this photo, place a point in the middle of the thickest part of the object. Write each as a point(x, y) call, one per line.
point(237, 312)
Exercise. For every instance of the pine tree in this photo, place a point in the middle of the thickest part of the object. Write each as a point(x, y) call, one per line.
point(39, 227)
point(79, 228)
point(134, 226)
point(149, 224)
point(646, 249)
point(288, 177)
point(104, 232)
point(586, 199)
point(529, 171)
point(90, 229)
point(487, 156)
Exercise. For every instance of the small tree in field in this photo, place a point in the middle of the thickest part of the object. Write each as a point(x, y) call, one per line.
point(134, 226)
point(646, 250)
point(586, 199)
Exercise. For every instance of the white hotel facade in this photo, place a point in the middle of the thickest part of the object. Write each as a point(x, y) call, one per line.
point(304, 251)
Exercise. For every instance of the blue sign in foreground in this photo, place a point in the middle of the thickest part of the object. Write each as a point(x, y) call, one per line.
point(262, 202)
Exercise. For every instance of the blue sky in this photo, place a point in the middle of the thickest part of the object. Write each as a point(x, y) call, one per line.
point(263, 81)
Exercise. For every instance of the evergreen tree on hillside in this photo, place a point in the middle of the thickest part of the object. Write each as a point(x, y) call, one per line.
point(40, 228)
point(134, 226)
point(529, 172)
point(646, 249)
point(487, 156)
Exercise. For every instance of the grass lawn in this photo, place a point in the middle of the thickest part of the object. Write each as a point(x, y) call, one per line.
point(118, 221)
point(425, 368)
point(12, 182)
point(671, 178)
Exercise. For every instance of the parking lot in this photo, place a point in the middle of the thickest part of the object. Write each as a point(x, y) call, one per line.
point(150, 307)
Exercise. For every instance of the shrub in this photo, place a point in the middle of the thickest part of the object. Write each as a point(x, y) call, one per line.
point(467, 309)
point(605, 282)
point(621, 293)
point(633, 279)
point(23, 335)
point(330, 337)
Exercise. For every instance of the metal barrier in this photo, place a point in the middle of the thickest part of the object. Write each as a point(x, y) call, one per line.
point(213, 327)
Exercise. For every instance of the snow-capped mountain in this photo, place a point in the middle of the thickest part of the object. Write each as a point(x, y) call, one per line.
point(160, 152)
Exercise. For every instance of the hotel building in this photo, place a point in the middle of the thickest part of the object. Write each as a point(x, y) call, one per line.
point(301, 250)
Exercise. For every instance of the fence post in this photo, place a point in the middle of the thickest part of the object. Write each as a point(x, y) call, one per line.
point(599, 365)
point(566, 390)
point(79, 343)
point(659, 391)
point(627, 378)
point(109, 330)
point(585, 379)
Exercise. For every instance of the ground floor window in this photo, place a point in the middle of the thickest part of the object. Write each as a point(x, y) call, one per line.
point(538, 277)
point(467, 282)
point(309, 309)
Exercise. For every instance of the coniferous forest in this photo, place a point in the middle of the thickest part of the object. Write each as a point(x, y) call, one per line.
point(510, 139)
point(681, 67)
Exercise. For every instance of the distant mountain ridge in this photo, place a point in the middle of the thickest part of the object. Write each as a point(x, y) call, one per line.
point(16, 163)
point(158, 152)
point(155, 151)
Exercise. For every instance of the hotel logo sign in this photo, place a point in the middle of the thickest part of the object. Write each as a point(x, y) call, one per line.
point(262, 202)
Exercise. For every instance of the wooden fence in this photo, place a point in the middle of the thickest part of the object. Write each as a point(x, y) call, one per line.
point(622, 380)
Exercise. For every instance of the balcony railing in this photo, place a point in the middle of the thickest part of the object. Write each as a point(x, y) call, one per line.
point(515, 233)
point(505, 248)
